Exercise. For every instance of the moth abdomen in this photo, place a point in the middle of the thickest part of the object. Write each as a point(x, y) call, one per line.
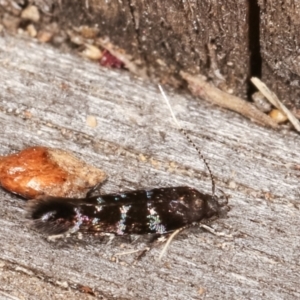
point(52, 215)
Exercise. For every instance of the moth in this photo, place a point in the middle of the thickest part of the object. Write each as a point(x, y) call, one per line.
point(145, 211)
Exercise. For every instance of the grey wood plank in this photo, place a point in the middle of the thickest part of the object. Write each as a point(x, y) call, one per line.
point(138, 146)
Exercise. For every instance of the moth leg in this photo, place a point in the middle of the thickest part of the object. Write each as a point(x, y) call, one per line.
point(156, 241)
point(150, 244)
point(170, 238)
point(110, 236)
point(95, 188)
point(142, 254)
point(153, 242)
point(147, 239)
point(55, 237)
point(211, 230)
point(133, 238)
point(67, 234)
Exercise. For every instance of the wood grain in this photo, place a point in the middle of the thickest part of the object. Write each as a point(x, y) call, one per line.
point(138, 146)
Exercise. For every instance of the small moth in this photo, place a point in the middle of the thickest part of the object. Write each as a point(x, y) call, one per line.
point(145, 211)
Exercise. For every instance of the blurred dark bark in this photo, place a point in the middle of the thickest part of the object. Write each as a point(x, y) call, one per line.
point(167, 36)
point(163, 37)
point(280, 49)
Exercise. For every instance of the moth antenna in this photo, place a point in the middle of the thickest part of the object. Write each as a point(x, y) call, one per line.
point(189, 139)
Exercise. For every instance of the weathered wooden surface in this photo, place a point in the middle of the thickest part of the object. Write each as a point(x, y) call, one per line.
point(138, 146)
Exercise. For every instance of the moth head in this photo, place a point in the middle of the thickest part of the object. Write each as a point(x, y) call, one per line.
point(217, 206)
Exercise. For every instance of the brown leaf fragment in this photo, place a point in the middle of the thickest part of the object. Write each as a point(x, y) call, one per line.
point(121, 55)
point(37, 171)
point(205, 90)
point(86, 290)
